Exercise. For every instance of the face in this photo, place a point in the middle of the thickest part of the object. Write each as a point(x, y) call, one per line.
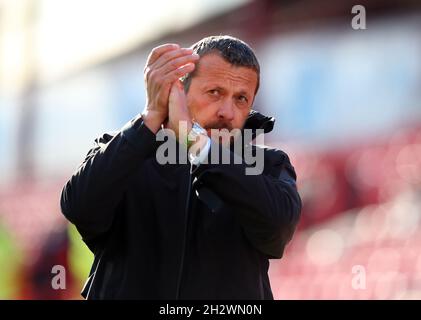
point(220, 94)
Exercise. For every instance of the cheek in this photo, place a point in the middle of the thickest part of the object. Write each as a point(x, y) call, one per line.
point(199, 108)
point(241, 117)
point(205, 115)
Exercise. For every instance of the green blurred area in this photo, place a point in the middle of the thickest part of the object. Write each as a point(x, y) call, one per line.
point(12, 273)
point(11, 258)
point(80, 258)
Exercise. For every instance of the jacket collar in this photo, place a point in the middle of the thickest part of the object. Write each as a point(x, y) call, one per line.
point(256, 120)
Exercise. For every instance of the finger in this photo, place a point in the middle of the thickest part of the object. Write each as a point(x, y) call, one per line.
point(179, 85)
point(180, 72)
point(173, 92)
point(165, 58)
point(176, 99)
point(170, 55)
point(159, 51)
point(176, 89)
point(178, 62)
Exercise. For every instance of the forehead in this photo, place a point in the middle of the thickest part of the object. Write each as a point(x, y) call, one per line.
point(212, 69)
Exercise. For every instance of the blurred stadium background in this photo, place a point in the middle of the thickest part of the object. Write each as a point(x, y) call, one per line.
point(348, 110)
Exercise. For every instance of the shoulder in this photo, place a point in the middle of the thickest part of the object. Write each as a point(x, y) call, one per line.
point(273, 154)
point(101, 142)
point(276, 160)
point(105, 137)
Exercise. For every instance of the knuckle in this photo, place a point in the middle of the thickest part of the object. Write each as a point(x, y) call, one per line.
point(173, 54)
point(167, 56)
point(166, 81)
point(152, 74)
point(180, 61)
point(173, 64)
point(152, 55)
point(146, 71)
point(156, 50)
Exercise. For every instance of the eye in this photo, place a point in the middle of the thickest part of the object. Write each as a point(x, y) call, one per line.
point(214, 94)
point(243, 99)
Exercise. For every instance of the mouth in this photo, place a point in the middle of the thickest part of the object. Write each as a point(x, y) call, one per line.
point(216, 130)
point(208, 129)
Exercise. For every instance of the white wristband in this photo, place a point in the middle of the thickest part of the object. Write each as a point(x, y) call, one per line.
point(203, 153)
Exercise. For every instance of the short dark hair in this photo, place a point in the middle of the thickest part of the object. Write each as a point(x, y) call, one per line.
point(233, 50)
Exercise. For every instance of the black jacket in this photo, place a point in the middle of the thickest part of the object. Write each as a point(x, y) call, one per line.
point(162, 232)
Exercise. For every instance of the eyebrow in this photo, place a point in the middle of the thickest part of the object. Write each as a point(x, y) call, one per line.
point(244, 93)
point(217, 87)
point(208, 86)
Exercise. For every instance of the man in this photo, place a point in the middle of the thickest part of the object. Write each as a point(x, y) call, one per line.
point(198, 230)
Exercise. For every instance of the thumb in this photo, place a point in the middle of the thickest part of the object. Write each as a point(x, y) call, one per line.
point(177, 90)
point(178, 86)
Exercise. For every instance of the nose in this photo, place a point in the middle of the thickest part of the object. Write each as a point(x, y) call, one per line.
point(226, 111)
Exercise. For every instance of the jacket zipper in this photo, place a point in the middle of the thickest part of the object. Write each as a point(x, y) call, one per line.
point(183, 252)
point(88, 295)
point(261, 291)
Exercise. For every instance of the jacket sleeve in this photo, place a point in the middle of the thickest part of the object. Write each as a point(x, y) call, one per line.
point(267, 205)
point(90, 197)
